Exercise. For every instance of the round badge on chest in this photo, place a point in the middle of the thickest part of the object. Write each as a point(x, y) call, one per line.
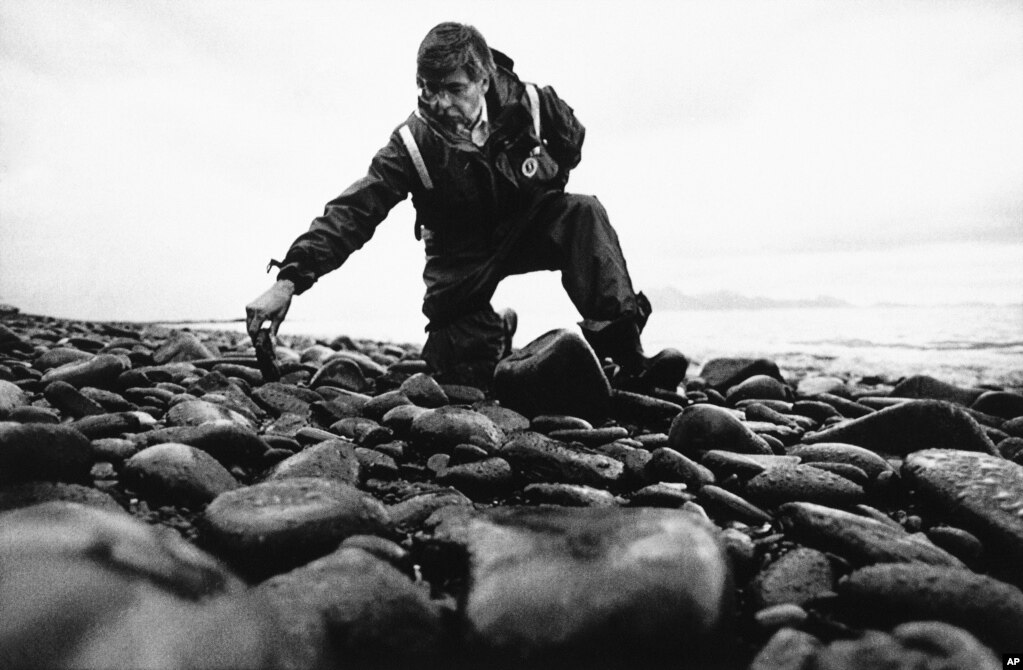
point(529, 167)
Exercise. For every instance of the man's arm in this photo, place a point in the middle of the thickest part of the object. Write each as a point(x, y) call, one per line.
point(561, 129)
point(347, 223)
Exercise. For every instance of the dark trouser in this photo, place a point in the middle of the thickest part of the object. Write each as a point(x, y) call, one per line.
point(561, 231)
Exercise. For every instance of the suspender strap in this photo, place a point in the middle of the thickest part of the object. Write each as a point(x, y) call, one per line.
point(417, 157)
point(534, 107)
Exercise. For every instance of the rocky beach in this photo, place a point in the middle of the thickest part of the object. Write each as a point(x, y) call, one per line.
point(176, 498)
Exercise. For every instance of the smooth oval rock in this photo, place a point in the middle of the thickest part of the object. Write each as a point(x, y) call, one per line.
point(592, 587)
point(11, 396)
point(704, 427)
point(779, 485)
point(196, 412)
point(480, 480)
point(832, 452)
point(918, 645)
point(759, 387)
point(26, 494)
point(275, 526)
point(983, 493)
point(557, 373)
point(177, 474)
point(332, 459)
point(568, 495)
point(539, 458)
point(909, 427)
point(442, 429)
point(43, 451)
point(990, 609)
point(100, 371)
point(796, 577)
point(858, 539)
point(928, 388)
point(723, 373)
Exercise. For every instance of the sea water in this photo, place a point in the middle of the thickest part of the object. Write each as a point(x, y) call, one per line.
point(965, 344)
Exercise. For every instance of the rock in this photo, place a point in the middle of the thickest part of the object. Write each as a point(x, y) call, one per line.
point(227, 442)
point(643, 409)
point(278, 398)
point(13, 496)
point(1003, 404)
point(340, 407)
point(983, 493)
point(399, 419)
point(480, 480)
point(364, 432)
point(816, 410)
point(667, 465)
point(33, 414)
point(44, 452)
point(442, 429)
point(591, 587)
point(834, 452)
point(423, 390)
point(758, 387)
point(196, 412)
point(375, 464)
point(11, 397)
point(100, 371)
point(788, 649)
point(53, 358)
point(909, 427)
point(990, 609)
point(704, 427)
point(723, 373)
point(813, 385)
point(847, 408)
point(98, 426)
point(177, 474)
point(797, 577)
point(725, 504)
point(802, 483)
point(351, 609)
point(342, 373)
point(548, 423)
point(113, 450)
point(380, 405)
point(12, 341)
point(538, 458)
point(182, 347)
point(662, 494)
point(275, 526)
point(411, 513)
point(858, 539)
point(72, 530)
point(929, 388)
point(87, 588)
point(960, 543)
point(724, 463)
point(335, 460)
point(557, 373)
point(590, 437)
point(568, 495)
point(508, 420)
point(918, 645)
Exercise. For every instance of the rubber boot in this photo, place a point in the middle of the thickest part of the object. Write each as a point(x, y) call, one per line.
point(620, 341)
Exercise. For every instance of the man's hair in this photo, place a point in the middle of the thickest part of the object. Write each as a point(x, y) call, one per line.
point(449, 46)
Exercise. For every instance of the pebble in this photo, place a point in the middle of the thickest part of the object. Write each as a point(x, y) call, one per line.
point(797, 577)
point(918, 645)
point(351, 608)
point(568, 583)
point(443, 428)
point(568, 495)
point(43, 451)
point(927, 387)
point(557, 373)
point(662, 494)
point(421, 389)
point(334, 460)
point(177, 473)
point(788, 649)
point(783, 484)
point(704, 427)
point(485, 479)
point(227, 442)
point(990, 609)
point(667, 465)
point(590, 437)
point(11, 397)
point(278, 525)
point(1002, 404)
point(13, 496)
point(835, 452)
point(909, 427)
point(759, 387)
point(643, 409)
point(101, 371)
point(723, 373)
point(984, 493)
point(538, 458)
point(729, 505)
point(196, 412)
point(858, 539)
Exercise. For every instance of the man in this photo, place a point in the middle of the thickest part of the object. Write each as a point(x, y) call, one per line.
point(486, 159)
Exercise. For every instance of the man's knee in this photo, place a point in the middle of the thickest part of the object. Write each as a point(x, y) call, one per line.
point(466, 350)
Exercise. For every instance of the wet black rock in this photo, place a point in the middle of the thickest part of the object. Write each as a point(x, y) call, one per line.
point(177, 474)
point(704, 427)
point(43, 451)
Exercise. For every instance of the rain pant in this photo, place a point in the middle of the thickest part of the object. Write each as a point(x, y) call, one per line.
point(483, 213)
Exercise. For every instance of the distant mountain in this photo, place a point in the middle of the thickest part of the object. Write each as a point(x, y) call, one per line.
point(670, 298)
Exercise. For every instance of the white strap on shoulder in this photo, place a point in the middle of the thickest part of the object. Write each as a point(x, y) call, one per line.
point(417, 157)
point(534, 107)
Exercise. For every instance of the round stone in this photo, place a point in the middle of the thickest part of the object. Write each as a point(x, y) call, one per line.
point(177, 474)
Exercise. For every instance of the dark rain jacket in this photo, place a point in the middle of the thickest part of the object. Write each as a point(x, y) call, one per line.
point(477, 193)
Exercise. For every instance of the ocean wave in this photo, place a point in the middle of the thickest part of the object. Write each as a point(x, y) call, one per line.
point(943, 345)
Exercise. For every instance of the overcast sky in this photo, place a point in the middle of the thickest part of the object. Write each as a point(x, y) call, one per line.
point(155, 155)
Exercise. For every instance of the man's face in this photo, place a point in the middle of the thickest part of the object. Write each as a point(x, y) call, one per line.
point(455, 99)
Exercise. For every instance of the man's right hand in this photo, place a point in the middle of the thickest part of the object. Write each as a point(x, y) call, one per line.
point(272, 306)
